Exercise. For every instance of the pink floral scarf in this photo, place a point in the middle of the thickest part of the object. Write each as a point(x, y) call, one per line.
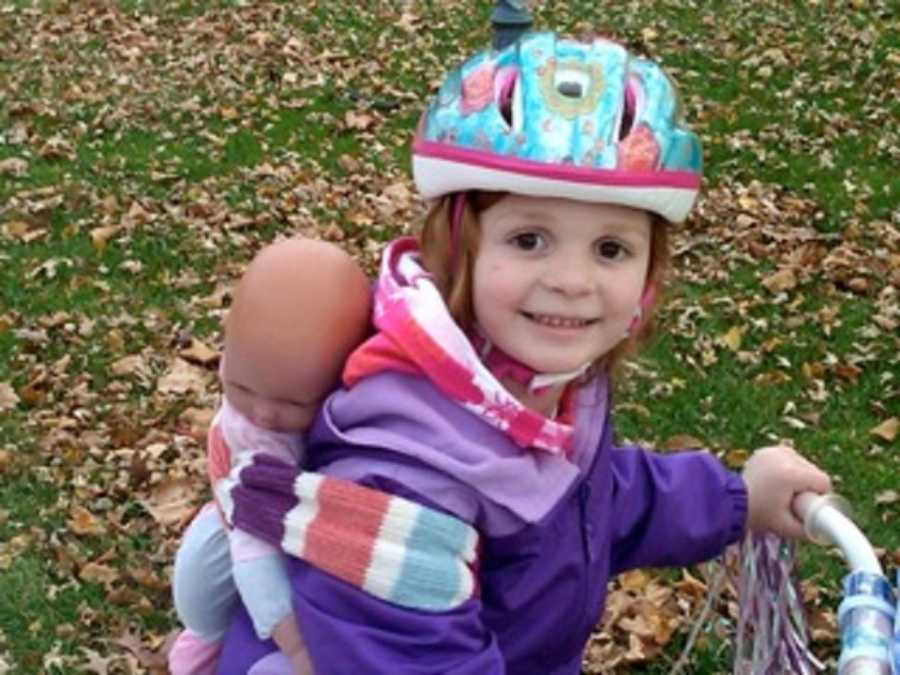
point(416, 334)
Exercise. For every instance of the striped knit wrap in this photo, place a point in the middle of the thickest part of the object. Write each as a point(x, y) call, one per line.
point(392, 548)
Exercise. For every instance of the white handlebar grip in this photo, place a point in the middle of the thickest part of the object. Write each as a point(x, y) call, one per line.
point(826, 521)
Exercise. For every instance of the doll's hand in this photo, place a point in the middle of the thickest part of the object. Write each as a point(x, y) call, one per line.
point(289, 640)
point(774, 476)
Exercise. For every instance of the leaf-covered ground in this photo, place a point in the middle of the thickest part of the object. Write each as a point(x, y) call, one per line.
point(148, 149)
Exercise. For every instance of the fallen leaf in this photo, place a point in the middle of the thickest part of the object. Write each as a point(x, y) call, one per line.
point(8, 397)
point(82, 522)
point(14, 166)
point(183, 377)
point(172, 501)
point(887, 429)
point(96, 663)
point(683, 442)
point(98, 573)
point(782, 280)
point(887, 497)
point(732, 339)
point(360, 121)
point(634, 580)
point(134, 364)
point(100, 236)
point(198, 352)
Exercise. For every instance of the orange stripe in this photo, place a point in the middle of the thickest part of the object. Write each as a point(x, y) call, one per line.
point(218, 459)
point(341, 537)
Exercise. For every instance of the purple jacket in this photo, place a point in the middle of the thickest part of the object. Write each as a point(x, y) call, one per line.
point(553, 531)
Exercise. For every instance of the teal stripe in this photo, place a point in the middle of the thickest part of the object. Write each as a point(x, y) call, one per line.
point(431, 577)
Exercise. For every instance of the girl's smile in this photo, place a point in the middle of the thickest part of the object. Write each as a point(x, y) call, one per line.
point(557, 282)
point(560, 322)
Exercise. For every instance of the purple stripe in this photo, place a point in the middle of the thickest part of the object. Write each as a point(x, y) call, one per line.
point(263, 498)
point(561, 172)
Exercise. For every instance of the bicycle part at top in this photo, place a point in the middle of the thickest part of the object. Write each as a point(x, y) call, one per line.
point(510, 19)
point(554, 117)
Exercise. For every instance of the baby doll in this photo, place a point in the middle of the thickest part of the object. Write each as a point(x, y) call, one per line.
point(301, 307)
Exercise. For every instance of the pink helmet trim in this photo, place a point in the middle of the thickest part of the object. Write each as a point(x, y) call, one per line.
point(440, 169)
point(688, 180)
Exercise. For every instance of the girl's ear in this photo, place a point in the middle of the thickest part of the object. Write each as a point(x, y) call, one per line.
point(648, 299)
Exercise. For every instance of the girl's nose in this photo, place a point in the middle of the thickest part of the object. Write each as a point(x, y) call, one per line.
point(570, 276)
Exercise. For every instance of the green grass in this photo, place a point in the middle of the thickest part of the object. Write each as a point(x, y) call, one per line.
point(184, 128)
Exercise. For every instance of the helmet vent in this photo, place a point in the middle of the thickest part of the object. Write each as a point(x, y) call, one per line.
point(628, 111)
point(505, 86)
point(570, 89)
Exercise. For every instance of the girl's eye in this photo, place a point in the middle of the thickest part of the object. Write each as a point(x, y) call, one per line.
point(611, 250)
point(528, 241)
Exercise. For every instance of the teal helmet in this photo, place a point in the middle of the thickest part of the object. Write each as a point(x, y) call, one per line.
point(559, 118)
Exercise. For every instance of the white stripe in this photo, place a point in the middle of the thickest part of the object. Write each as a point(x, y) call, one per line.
point(436, 177)
point(390, 547)
point(299, 518)
point(222, 488)
point(466, 575)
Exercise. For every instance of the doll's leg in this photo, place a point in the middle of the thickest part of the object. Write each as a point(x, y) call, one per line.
point(204, 593)
point(266, 592)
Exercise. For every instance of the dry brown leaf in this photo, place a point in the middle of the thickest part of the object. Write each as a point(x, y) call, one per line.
point(173, 501)
point(13, 166)
point(8, 397)
point(195, 422)
point(134, 364)
point(782, 280)
point(98, 573)
point(360, 121)
point(683, 442)
point(887, 497)
point(100, 236)
point(96, 663)
point(183, 377)
point(733, 338)
point(83, 522)
point(634, 580)
point(887, 429)
point(198, 352)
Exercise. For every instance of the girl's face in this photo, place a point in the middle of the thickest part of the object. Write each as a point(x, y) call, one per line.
point(556, 282)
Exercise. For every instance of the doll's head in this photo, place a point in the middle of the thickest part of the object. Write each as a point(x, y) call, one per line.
point(299, 310)
point(556, 127)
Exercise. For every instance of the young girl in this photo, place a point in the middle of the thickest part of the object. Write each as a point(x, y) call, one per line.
point(301, 307)
point(555, 169)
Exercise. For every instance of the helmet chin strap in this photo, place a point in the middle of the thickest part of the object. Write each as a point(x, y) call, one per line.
point(504, 366)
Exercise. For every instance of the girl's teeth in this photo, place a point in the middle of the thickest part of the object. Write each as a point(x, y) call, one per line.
point(559, 322)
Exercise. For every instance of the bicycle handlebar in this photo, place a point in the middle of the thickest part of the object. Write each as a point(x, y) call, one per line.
point(826, 520)
point(866, 615)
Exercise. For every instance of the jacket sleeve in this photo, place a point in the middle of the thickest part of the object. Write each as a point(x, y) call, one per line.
point(348, 630)
point(673, 510)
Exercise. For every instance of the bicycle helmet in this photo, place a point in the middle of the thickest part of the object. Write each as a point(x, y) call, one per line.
point(558, 118)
